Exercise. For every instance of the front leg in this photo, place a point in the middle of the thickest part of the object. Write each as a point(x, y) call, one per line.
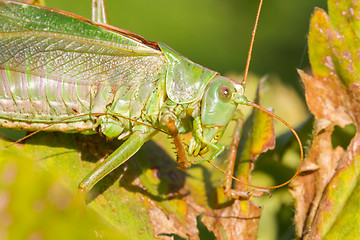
point(198, 140)
point(228, 190)
point(182, 162)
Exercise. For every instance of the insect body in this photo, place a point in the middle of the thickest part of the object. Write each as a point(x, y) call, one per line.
point(81, 76)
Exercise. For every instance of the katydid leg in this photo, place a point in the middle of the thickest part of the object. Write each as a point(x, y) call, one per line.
point(118, 157)
point(99, 13)
point(182, 162)
point(228, 190)
point(196, 143)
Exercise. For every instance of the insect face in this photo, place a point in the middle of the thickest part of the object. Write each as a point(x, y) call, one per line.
point(218, 106)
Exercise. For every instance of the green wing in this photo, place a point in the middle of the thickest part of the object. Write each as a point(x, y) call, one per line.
point(61, 46)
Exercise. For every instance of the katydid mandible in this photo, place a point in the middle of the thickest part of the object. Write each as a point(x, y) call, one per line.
point(86, 76)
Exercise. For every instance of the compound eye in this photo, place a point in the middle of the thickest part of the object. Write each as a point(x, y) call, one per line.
point(225, 93)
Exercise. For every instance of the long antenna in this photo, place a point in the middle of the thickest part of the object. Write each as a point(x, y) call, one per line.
point(251, 44)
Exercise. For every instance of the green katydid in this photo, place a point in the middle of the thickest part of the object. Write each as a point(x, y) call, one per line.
point(86, 76)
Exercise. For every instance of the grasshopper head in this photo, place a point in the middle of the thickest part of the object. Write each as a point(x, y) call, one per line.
point(219, 103)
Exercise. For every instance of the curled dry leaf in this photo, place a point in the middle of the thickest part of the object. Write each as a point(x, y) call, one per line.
point(323, 196)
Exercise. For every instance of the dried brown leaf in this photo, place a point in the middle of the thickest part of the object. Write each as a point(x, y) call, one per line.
point(332, 94)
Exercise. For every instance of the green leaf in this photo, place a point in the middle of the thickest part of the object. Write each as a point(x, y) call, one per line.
point(36, 204)
point(258, 137)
